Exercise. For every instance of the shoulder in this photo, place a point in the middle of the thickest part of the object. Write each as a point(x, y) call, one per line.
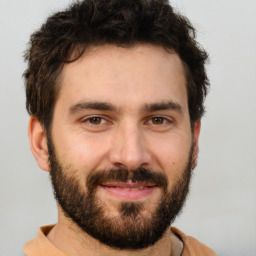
point(40, 245)
point(192, 247)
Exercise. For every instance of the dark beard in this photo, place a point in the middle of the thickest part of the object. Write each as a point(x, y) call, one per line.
point(131, 229)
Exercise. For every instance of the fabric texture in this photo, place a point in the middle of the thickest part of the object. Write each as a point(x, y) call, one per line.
point(41, 246)
point(191, 246)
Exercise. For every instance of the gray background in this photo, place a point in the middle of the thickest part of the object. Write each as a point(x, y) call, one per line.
point(221, 210)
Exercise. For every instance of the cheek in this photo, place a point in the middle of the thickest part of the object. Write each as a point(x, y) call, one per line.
point(172, 154)
point(82, 151)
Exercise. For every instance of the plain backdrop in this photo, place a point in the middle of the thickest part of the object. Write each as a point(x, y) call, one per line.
point(221, 208)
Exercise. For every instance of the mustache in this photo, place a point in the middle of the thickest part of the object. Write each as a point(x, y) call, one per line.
point(96, 178)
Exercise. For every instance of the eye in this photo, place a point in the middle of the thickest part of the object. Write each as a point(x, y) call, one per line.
point(94, 120)
point(160, 123)
point(158, 120)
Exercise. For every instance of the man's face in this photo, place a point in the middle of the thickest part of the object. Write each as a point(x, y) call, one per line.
point(120, 145)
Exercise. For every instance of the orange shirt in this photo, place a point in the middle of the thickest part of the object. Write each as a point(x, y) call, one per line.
point(41, 246)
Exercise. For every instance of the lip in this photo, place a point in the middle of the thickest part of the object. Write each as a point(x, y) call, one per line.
point(128, 190)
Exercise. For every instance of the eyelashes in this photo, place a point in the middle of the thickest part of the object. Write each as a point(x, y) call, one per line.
point(102, 123)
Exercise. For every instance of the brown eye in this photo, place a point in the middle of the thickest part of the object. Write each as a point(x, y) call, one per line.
point(95, 120)
point(158, 120)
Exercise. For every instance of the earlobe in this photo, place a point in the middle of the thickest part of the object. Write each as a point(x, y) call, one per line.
point(38, 143)
point(196, 132)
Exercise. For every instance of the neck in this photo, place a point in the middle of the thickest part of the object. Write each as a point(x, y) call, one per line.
point(70, 239)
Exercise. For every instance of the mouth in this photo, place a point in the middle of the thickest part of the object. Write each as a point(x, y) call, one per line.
point(128, 190)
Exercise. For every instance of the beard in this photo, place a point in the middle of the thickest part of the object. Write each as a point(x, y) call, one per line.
point(130, 229)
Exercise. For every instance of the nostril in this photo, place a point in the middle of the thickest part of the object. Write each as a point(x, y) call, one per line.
point(120, 165)
point(128, 149)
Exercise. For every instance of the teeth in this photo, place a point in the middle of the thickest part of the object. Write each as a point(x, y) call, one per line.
point(134, 189)
point(131, 189)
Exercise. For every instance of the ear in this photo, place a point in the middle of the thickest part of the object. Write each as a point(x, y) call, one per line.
point(38, 143)
point(196, 132)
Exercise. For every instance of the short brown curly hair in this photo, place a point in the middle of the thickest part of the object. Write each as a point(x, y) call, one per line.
point(66, 35)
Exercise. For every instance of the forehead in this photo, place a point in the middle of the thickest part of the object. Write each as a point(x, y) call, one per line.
point(140, 74)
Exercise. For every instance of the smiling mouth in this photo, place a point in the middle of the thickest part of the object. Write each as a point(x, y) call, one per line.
point(128, 190)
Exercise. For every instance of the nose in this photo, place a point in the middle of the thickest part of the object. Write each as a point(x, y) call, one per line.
point(129, 148)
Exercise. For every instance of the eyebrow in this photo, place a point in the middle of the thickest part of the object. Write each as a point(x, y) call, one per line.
point(169, 105)
point(104, 106)
point(92, 105)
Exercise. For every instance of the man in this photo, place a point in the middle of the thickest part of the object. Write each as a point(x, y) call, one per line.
point(115, 91)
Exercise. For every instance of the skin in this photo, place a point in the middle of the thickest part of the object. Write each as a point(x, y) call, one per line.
point(130, 134)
